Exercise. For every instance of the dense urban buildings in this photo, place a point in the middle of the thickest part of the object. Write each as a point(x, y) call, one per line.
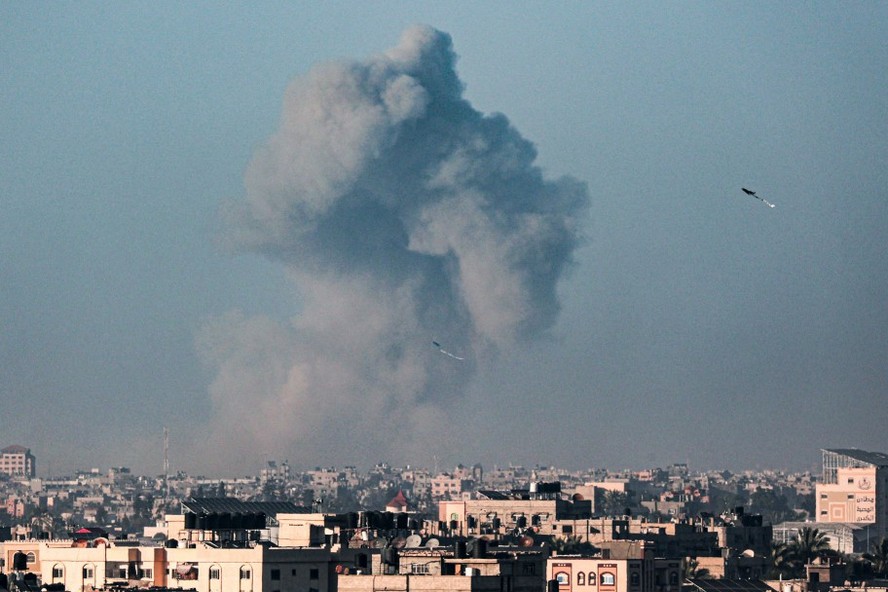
point(506, 529)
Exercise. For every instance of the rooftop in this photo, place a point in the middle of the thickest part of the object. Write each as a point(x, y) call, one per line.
point(877, 459)
point(222, 505)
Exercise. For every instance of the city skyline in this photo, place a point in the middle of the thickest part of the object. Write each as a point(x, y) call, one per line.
point(252, 226)
point(84, 466)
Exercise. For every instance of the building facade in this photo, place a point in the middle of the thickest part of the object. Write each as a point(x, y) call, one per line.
point(101, 564)
point(854, 490)
point(17, 461)
point(641, 573)
point(542, 510)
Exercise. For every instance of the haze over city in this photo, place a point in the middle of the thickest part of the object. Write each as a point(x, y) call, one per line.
point(260, 227)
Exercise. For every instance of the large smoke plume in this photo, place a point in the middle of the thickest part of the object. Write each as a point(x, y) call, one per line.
point(402, 215)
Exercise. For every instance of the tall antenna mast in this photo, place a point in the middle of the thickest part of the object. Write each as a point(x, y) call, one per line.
point(166, 464)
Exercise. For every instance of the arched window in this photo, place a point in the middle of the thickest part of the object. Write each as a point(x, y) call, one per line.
point(215, 572)
point(245, 573)
point(31, 557)
point(581, 579)
point(634, 578)
point(673, 578)
point(563, 578)
point(607, 579)
point(591, 578)
point(58, 572)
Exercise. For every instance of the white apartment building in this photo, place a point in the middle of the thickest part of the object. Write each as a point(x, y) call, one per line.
point(18, 461)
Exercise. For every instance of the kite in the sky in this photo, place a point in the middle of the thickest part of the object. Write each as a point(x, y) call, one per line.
point(752, 193)
point(445, 352)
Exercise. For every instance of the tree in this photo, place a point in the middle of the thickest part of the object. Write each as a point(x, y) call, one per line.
point(781, 560)
point(772, 506)
point(42, 525)
point(808, 544)
point(612, 503)
point(878, 557)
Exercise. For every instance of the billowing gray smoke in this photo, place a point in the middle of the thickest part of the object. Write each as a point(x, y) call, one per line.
point(403, 215)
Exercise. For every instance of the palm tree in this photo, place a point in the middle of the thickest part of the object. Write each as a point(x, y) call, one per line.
point(42, 525)
point(878, 557)
point(781, 560)
point(808, 545)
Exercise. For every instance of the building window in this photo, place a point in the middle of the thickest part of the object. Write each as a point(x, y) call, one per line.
point(607, 579)
point(634, 578)
point(293, 572)
point(245, 573)
point(275, 574)
point(149, 573)
point(528, 569)
point(591, 578)
point(57, 572)
point(215, 573)
point(87, 572)
point(581, 579)
point(313, 573)
point(419, 568)
point(31, 557)
point(562, 578)
point(673, 578)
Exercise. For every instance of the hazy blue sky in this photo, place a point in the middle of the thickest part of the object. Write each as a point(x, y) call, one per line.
point(696, 324)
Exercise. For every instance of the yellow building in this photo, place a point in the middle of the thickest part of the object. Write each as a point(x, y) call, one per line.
point(102, 564)
point(542, 509)
point(854, 490)
point(633, 569)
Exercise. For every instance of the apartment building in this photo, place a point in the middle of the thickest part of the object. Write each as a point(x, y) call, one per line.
point(447, 486)
point(101, 564)
point(854, 490)
point(630, 569)
point(541, 508)
point(17, 461)
point(471, 566)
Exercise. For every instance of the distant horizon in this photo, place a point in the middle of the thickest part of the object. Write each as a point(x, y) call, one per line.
point(43, 469)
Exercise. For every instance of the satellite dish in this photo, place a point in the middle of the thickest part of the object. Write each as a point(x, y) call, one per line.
point(414, 540)
point(399, 542)
point(525, 541)
point(432, 543)
point(748, 553)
